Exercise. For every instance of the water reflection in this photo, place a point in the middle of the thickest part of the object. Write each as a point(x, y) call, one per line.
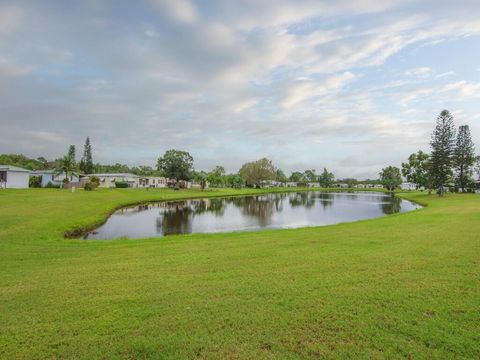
point(248, 213)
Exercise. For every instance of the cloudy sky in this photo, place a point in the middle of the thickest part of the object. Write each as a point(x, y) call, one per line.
point(351, 85)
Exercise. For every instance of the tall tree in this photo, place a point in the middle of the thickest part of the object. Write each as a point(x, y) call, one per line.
point(255, 172)
point(86, 162)
point(67, 164)
point(417, 169)
point(326, 179)
point(443, 145)
point(391, 177)
point(464, 157)
point(176, 164)
point(280, 176)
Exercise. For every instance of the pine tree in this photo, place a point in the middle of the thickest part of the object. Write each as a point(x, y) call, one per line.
point(86, 163)
point(443, 145)
point(464, 157)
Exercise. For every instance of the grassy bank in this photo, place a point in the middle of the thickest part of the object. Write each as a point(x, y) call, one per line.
point(401, 286)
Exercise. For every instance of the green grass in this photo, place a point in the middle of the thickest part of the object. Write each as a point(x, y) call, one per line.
point(402, 286)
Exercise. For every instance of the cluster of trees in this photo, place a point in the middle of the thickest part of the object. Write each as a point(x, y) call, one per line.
point(450, 165)
point(177, 164)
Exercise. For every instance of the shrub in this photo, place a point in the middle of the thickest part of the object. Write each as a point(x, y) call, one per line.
point(50, 185)
point(121, 184)
point(95, 180)
point(35, 181)
point(89, 186)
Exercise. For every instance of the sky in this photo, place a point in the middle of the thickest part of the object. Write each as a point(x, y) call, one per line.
point(350, 85)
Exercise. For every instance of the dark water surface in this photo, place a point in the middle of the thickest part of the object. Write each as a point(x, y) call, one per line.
point(287, 210)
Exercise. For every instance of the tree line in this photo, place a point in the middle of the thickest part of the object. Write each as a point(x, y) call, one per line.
point(451, 164)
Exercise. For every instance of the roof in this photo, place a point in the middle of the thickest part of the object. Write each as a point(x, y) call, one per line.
point(114, 175)
point(13, 168)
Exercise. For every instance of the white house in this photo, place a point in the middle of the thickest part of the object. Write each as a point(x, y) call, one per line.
point(109, 180)
point(408, 186)
point(49, 176)
point(152, 182)
point(12, 177)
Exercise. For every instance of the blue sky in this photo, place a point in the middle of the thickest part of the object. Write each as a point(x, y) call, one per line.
point(348, 85)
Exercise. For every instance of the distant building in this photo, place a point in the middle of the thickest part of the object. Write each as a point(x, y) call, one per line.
point(12, 177)
point(408, 186)
point(342, 185)
point(109, 180)
point(49, 176)
point(313, 184)
point(291, 184)
point(152, 182)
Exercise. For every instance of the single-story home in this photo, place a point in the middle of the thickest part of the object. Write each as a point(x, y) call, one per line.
point(13, 177)
point(313, 184)
point(291, 184)
point(109, 180)
point(49, 176)
point(152, 182)
point(408, 186)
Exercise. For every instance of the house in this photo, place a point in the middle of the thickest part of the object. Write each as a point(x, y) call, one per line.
point(109, 180)
point(313, 184)
point(152, 182)
point(361, 186)
point(378, 186)
point(56, 179)
point(291, 184)
point(12, 177)
point(408, 186)
point(341, 185)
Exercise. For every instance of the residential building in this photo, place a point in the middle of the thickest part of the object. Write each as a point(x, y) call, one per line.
point(408, 186)
point(49, 176)
point(13, 177)
point(152, 182)
point(109, 180)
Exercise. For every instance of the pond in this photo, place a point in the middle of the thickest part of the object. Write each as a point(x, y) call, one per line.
point(269, 211)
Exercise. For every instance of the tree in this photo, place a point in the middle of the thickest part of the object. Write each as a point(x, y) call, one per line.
point(417, 169)
point(176, 164)
point(86, 162)
point(443, 144)
point(464, 157)
point(391, 177)
point(216, 177)
point(255, 172)
point(280, 176)
point(235, 181)
point(296, 176)
point(67, 164)
point(326, 179)
point(309, 176)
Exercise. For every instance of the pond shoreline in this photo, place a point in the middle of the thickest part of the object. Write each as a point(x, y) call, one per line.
point(248, 214)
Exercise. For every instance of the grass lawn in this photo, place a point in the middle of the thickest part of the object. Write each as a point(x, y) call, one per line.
point(402, 286)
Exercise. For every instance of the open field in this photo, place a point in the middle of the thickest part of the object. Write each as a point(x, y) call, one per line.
point(405, 285)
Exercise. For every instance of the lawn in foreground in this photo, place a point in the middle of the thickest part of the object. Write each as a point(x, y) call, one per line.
point(400, 286)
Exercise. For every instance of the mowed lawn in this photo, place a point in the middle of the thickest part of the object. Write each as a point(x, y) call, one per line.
point(402, 286)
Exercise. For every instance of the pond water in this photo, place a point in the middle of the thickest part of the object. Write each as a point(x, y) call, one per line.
point(269, 211)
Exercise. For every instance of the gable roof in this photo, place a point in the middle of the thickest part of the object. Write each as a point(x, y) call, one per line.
point(12, 168)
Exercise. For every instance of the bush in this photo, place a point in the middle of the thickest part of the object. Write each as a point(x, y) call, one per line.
point(89, 186)
point(121, 184)
point(95, 180)
point(52, 186)
point(35, 181)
